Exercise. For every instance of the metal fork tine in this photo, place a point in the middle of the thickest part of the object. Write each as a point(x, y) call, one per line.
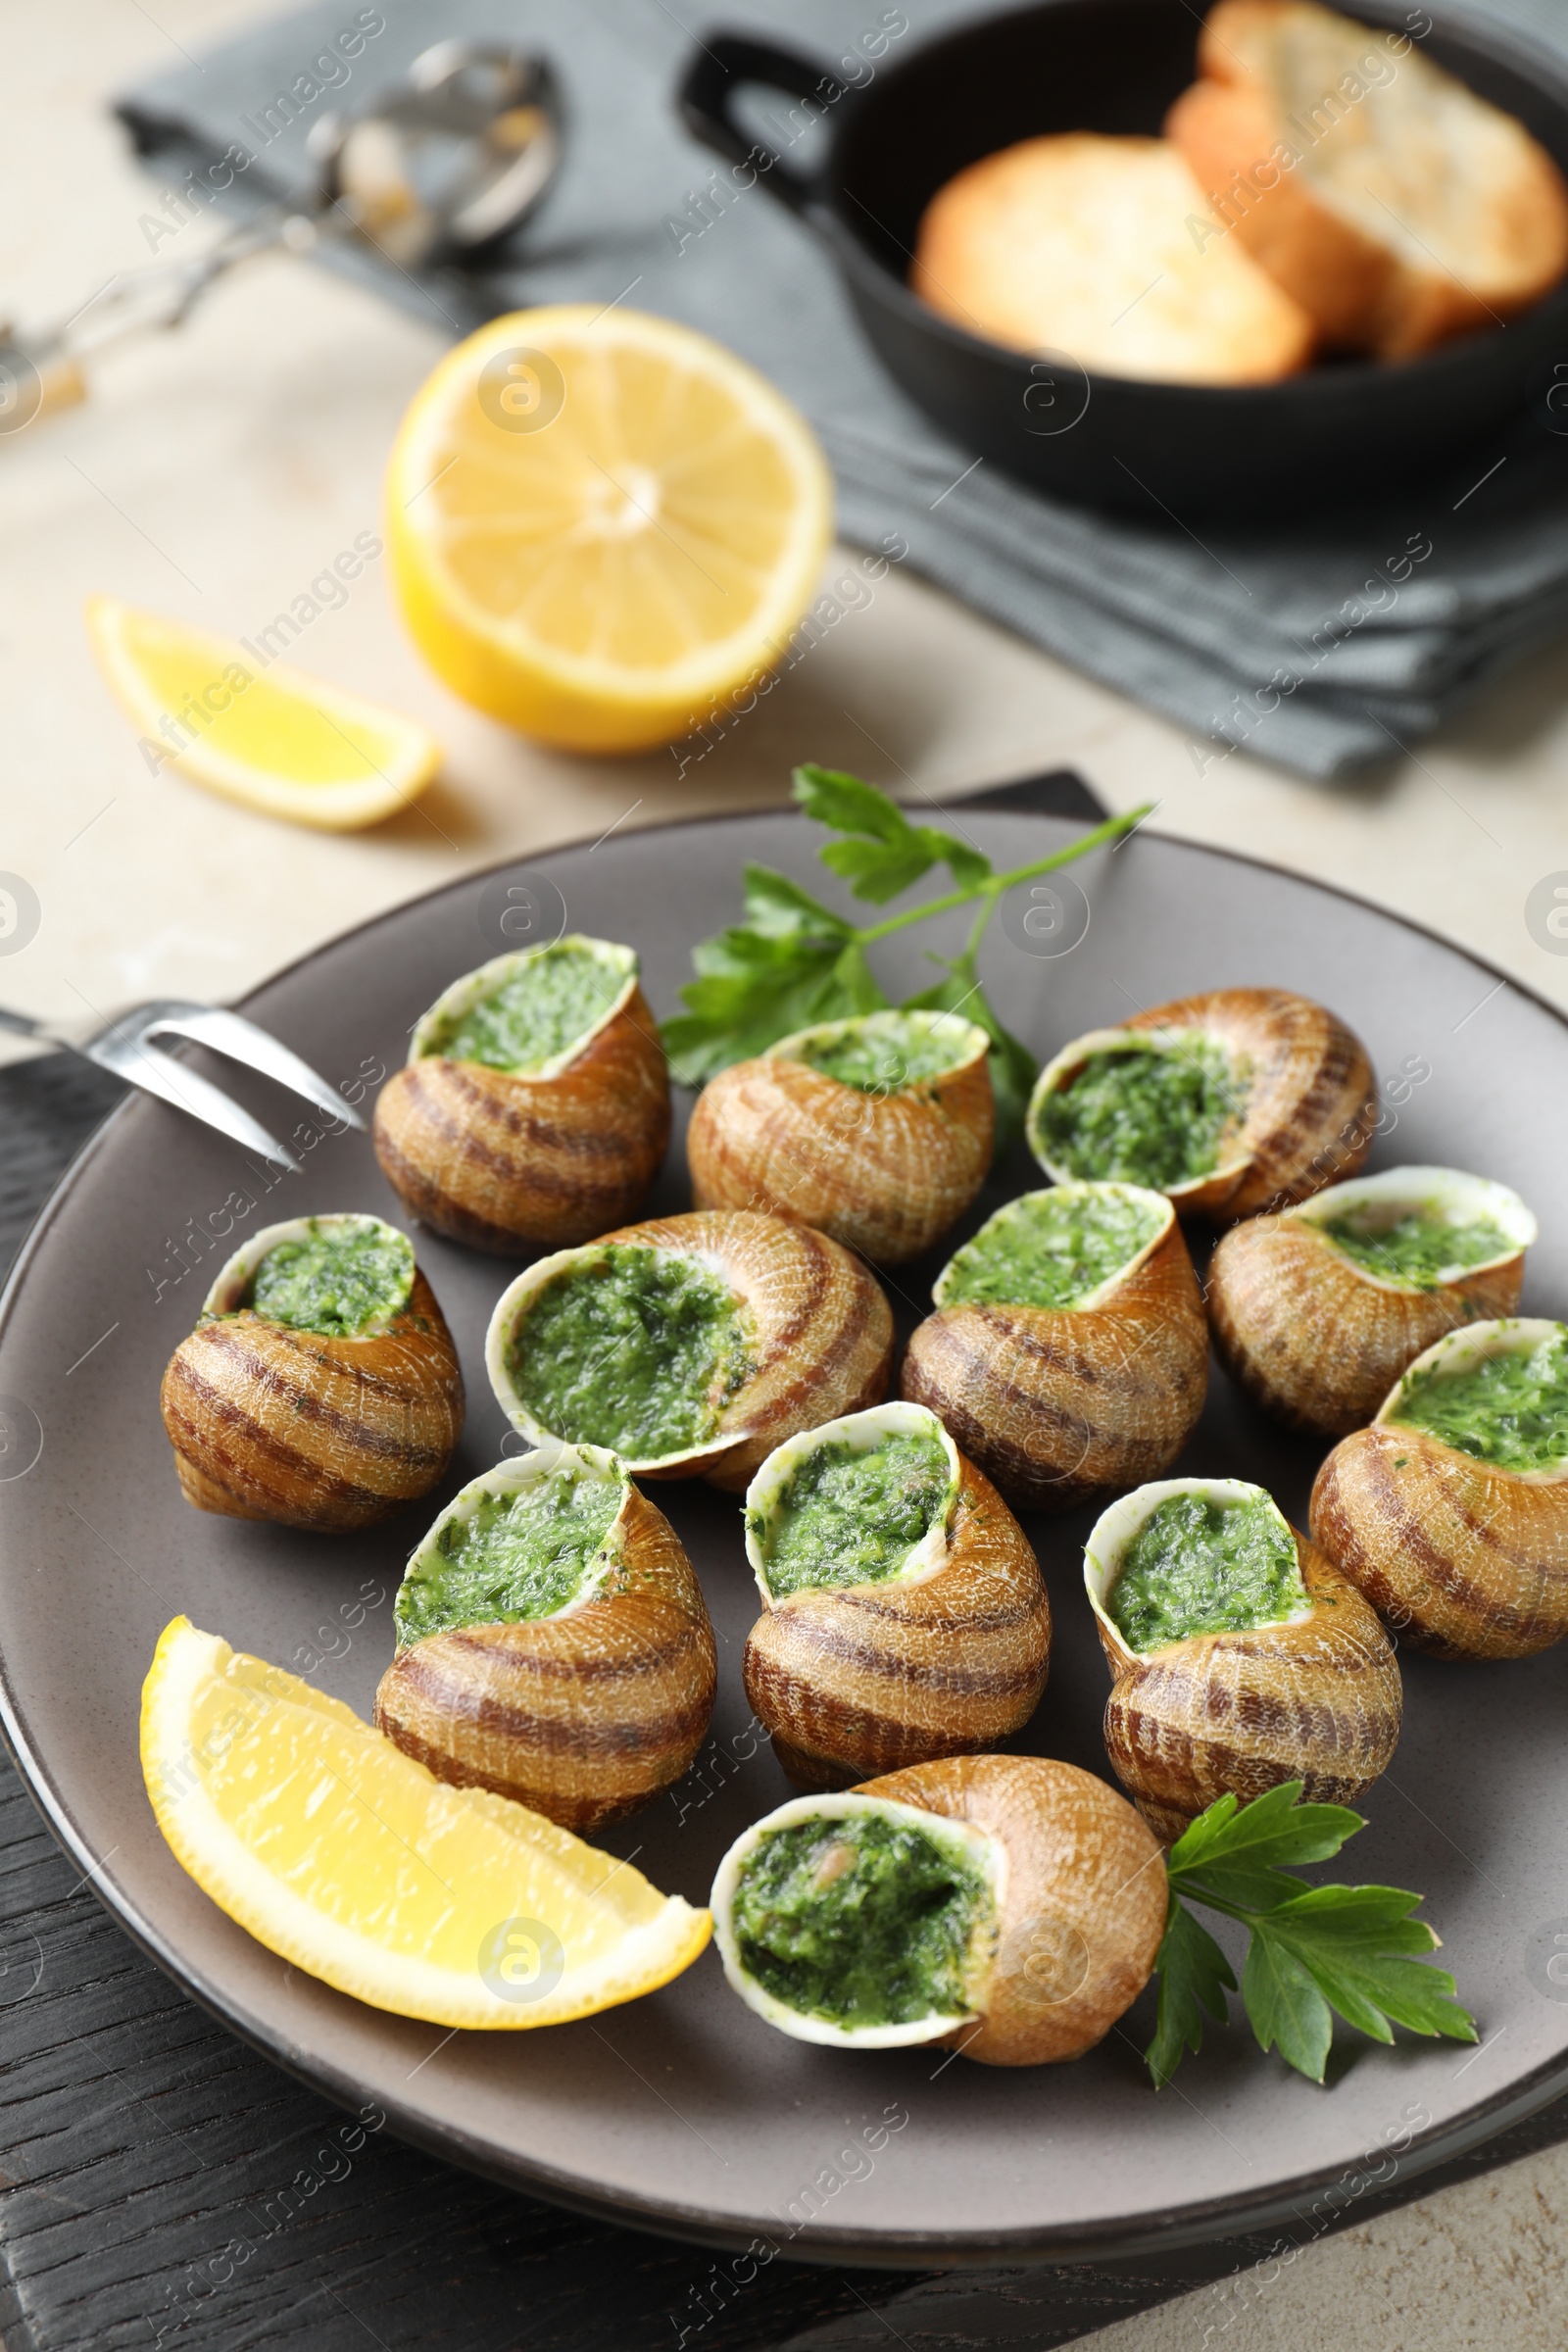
point(230, 1034)
point(156, 1073)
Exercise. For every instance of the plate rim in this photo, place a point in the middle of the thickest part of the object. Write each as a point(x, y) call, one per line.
point(1156, 2228)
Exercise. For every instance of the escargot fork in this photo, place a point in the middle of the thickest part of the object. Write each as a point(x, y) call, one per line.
point(125, 1047)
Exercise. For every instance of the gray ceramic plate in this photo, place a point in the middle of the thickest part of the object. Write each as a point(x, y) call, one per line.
point(684, 2112)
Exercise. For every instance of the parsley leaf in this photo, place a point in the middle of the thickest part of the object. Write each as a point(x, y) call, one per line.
point(793, 963)
point(884, 853)
point(1195, 1977)
point(1234, 1851)
point(1314, 1951)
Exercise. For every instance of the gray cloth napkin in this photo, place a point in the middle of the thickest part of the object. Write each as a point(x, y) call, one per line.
point(1324, 646)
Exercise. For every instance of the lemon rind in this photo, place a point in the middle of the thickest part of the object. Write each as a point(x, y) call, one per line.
point(555, 674)
point(224, 1866)
point(345, 806)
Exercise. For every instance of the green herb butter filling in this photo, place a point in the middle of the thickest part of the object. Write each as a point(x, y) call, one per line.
point(338, 1281)
point(631, 1348)
point(1419, 1248)
point(1151, 1114)
point(1050, 1250)
point(860, 1921)
point(1511, 1410)
point(885, 1051)
point(544, 1005)
point(1200, 1565)
point(516, 1557)
point(848, 1515)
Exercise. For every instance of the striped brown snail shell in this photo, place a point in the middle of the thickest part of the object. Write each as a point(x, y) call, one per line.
point(1463, 1557)
point(1319, 1339)
point(884, 1167)
point(1301, 1104)
point(507, 1160)
point(1068, 1925)
point(583, 1714)
point(1315, 1697)
point(315, 1430)
point(1061, 1405)
point(945, 1655)
point(815, 1339)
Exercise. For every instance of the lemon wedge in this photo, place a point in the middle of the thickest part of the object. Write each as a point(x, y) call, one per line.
point(257, 730)
point(346, 1857)
point(600, 522)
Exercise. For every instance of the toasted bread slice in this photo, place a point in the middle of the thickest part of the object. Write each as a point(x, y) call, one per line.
point(1395, 204)
point(1103, 248)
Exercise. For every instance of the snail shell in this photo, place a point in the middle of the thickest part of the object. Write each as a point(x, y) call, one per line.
point(1316, 1699)
point(1079, 1898)
point(1462, 1557)
point(582, 1716)
point(506, 1160)
point(1319, 1340)
point(947, 1655)
point(330, 1433)
point(822, 1342)
point(1306, 1116)
point(884, 1172)
point(1059, 1406)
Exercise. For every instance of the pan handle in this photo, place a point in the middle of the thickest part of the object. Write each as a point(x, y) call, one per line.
point(728, 63)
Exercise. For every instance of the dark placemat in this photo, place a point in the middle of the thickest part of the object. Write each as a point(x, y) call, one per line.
point(162, 2184)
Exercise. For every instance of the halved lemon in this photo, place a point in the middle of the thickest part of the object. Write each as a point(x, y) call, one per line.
point(346, 1857)
point(600, 522)
point(254, 728)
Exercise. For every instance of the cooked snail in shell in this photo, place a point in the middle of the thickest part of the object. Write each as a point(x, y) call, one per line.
point(1007, 1905)
point(321, 1387)
point(876, 1130)
point(1068, 1352)
point(534, 1104)
point(553, 1643)
point(904, 1615)
point(1318, 1311)
point(1240, 1656)
point(691, 1346)
point(1237, 1100)
point(1451, 1513)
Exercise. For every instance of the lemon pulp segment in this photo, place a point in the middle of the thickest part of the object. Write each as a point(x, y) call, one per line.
point(351, 1860)
point(601, 521)
point(263, 733)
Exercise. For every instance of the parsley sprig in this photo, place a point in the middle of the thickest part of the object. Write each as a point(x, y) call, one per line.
point(1314, 1951)
point(793, 963)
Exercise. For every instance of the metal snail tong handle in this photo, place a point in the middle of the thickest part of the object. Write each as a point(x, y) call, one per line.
point(450, 160)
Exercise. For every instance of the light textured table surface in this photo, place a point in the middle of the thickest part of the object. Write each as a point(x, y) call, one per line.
point(214, 473)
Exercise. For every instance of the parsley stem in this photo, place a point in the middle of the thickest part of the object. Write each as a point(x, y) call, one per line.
point(992, 886)
point(977, 931)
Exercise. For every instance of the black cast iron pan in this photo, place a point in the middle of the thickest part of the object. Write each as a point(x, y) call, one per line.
point(1337, 435)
